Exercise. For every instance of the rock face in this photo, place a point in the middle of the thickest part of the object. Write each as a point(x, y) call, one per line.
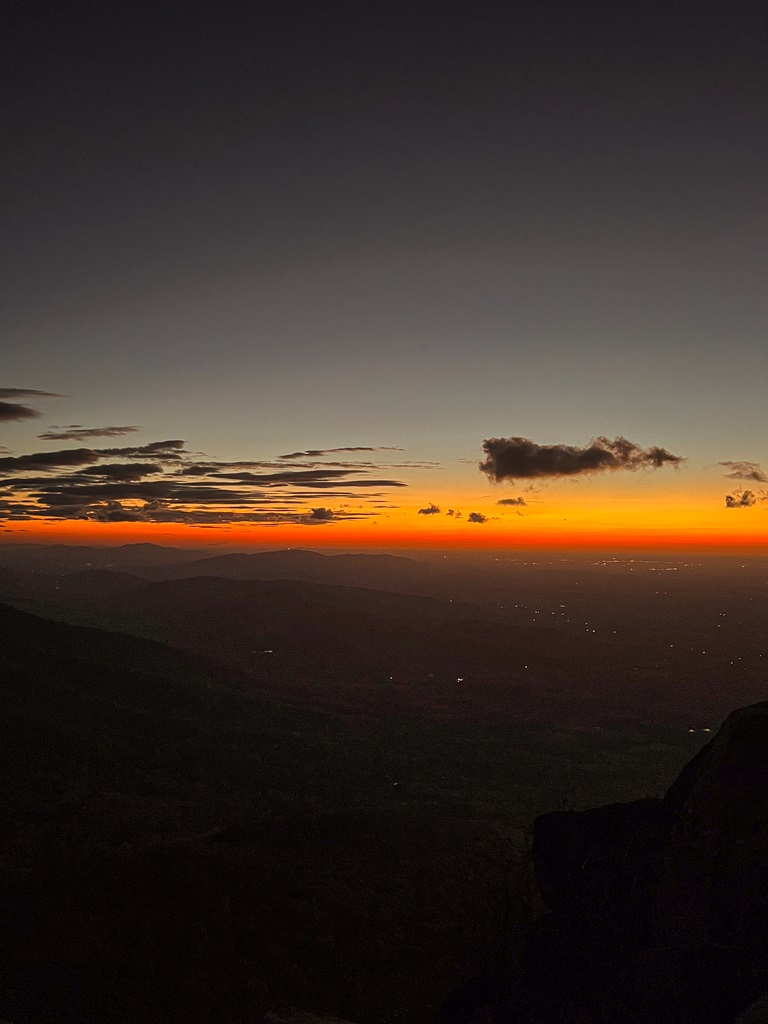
point(657, 910)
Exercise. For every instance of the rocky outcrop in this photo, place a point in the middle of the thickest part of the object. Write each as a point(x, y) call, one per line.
point(657, 910)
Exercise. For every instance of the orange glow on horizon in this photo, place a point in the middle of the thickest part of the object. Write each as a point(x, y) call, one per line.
point(366, 535)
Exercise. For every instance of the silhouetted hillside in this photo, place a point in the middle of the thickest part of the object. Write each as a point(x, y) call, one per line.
point(657, 910)
point(180, 840)
point(345, 628)
point(662, 639)
point(610, 644)
point(177, 846)
point(72, 557)
point(340, 641)
point(379, 572)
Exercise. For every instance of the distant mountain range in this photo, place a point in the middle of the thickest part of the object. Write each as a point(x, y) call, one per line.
point(292, 632)
point(374, 571)
point(72, 557)
point(652, 643)
point(159, 562)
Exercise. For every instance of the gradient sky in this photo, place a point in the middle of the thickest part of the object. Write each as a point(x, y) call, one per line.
point(299, 225)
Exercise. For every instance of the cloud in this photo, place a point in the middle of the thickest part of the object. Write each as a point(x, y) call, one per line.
point(27, 393)
point(313, 453)
point(320, 515)
point(16, 410)
point(223, 468)
point(329, 492)
point(477, 517)
point(168, 511)
point(164, 485)
point(13, 411)
point(114, 512)
point(430, 510)
point(121, 471)
point(74, 432)
point(58, 512)
point(512, 458)
point(316, 479)
point(146, 489)
point(300, 477)
point(745, 471)
point(353, 481)
point(166, 450)
point(512, 501)
point(49, 460)
point(744, 499)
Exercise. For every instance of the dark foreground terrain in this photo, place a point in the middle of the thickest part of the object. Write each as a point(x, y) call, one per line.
point(656, 910)
point(311, 783)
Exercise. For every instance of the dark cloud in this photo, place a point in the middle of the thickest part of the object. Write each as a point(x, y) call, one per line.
point(329, 492)
point(160, 482)
point(313, 453)
point(194, 469)
point(13, 411)
point(22, 483)
point(44, 460)
point(300, 477)
point(477, 517)
point(230, 468)
point(512, 501)
point(158, 511)
point(18, 411)
point(430, 510)
point(57, 512)
point(186, 493)
point(512, 458)
point(320, 515)
point(316, 478)
point(745, 471)
point(744, 499)
point(121, 471)
point(355, 482)
point(127, 481)
point(115, 512)
point(91, 476)
point(74, 432)
point(168, 451)
point(27, 393)
point(226, 468)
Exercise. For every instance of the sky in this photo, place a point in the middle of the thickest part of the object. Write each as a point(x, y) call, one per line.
point(500, 260)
